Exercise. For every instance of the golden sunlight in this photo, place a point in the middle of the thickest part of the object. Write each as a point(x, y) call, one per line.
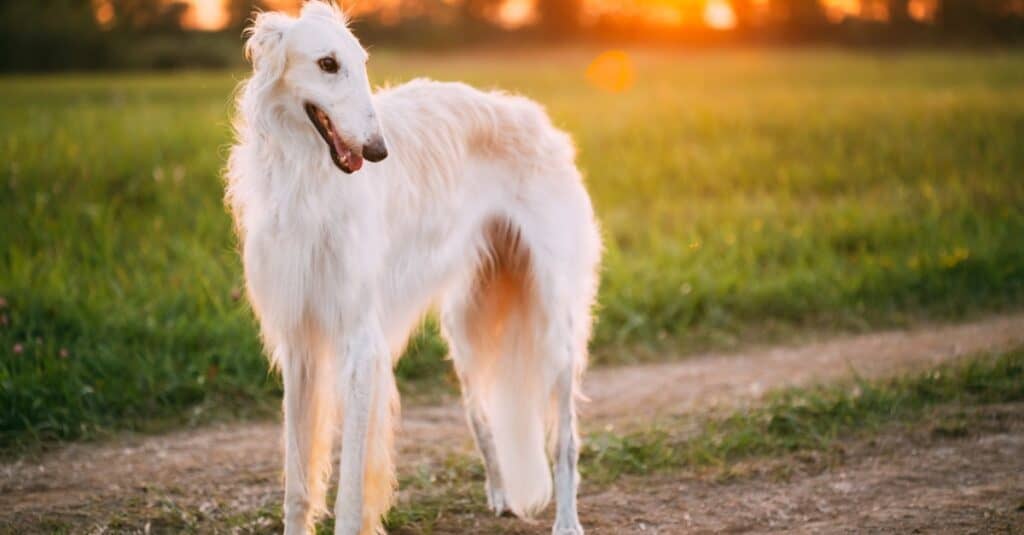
point(206, 15)
point(923, 10)
point(516, 13)
point(611, 71)
point(104, 12)
point(837, 10)
point(718, 14)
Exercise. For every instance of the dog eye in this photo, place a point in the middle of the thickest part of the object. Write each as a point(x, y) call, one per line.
point(328, 64)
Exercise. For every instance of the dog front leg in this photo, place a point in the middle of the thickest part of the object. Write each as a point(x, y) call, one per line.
point(363, 353)
point(307, 441)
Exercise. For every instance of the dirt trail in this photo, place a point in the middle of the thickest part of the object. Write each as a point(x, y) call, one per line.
point(236, 467)
point(904, 480)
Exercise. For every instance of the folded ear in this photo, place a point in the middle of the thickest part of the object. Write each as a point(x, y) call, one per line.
point(264, 46)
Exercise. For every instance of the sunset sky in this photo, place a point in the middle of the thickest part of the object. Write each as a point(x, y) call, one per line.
point(210, 14)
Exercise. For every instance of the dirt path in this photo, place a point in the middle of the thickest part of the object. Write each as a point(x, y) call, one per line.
point(905, 480)
point(236, 467)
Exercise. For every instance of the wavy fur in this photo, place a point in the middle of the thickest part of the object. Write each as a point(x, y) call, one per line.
point(478, 209)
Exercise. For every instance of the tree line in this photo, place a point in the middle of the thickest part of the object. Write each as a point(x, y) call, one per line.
point(85, 34)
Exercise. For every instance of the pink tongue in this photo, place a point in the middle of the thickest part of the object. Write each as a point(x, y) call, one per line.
point(351, 159)
point(355, 163)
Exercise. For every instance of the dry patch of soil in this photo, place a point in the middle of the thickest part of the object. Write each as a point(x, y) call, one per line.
point(916, 480)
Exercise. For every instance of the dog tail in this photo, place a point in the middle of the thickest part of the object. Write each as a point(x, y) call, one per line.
point(516, 409)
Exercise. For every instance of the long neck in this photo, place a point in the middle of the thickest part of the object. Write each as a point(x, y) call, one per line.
point(284, 143)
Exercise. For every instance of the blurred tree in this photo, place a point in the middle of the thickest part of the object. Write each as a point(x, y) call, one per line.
point(746, 14)
point(148, 15)
point(49, 35)
point(240, 12)
point(958, 13)
point(559, 19)
point(803, 19)
point(66, 34)
point(899, 13)
point(481, 11)
point(981, 19)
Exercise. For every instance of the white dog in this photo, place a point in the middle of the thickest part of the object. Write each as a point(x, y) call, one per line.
point(473, 204)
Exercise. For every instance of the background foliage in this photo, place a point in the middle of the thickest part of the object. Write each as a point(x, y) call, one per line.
point(743, 195)
point(60, 35)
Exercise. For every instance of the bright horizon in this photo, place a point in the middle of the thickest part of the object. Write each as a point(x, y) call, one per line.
point(212, 14)
point(717, 14)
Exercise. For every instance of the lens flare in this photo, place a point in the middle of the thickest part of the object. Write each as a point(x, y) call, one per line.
point(718, 14)
point(611, 71)
point(206, 15)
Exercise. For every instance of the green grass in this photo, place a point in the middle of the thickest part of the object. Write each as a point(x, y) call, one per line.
point(743, 195)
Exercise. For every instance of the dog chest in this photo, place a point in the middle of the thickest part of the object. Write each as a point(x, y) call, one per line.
point(300, 267)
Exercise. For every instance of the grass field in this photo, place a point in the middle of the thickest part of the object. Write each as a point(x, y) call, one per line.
point(743, 195)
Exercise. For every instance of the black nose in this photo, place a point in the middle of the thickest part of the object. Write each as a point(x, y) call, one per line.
point(375, 150)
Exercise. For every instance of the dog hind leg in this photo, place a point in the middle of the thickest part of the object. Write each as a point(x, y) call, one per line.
point(495, 351)
point(560, 232)
point(484, 438)
point(566, 456)
point(470, 361)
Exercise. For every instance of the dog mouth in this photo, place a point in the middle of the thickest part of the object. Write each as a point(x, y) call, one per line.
point(344, 157)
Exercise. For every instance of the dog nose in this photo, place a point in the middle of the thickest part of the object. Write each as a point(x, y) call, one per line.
point(375, 150)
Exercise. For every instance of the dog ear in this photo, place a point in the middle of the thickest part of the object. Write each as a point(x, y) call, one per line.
point(264, 46)
point(326, 9)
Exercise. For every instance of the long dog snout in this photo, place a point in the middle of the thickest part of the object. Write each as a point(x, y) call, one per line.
point(375, 149)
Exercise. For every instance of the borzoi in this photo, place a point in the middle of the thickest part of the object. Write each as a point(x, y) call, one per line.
point(472, 203)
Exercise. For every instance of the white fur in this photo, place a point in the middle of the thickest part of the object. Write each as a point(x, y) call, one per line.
point(479, 209)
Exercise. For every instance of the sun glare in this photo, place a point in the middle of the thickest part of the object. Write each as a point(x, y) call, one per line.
point(923, 10)
point(838, 10)
point(718, 14)
point(516, 13)
point(206, 14)
point(611, 71)
point(104, 12)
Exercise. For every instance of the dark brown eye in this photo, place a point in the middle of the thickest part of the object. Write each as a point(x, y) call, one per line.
point(328, 64)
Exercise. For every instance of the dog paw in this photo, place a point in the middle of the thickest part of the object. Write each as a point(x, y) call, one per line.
point(350, 526)
point(563, 527)
point(297, 522)
point(496, 500)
